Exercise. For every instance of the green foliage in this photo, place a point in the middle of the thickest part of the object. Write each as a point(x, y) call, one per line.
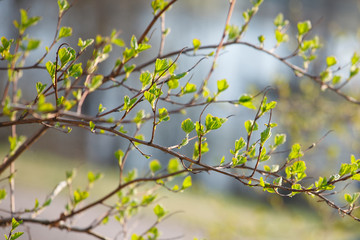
point(154, 82)
point(25, 21)
point(14, 235)
point(196, 44)
point(65, 32)
point(155, 166)
point(246, 101)
point(295, 152)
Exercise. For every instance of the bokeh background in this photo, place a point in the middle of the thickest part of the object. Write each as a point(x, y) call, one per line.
point(217, 207)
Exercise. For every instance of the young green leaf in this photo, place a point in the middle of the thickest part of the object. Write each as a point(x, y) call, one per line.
point(161, 65)
point(173, 165)
point(163, 115)
point(95, 83)
point(295, 152)
point(213, 123)
point(187, 182)
point(145, 78)
point(64, 32)
point(155, 165)
point(2, 194)
point(75, 70)
point(196, 44)
point(119, 154)
point(187, 126)
point(159, 211)
point(249, 126)
point(331, 61)
point(189, 88)
point(246, 101)
point(92, 126)
point(265, 135)
point(84, 44)
point(63, 6)
point(222, 85)
point(304, 27)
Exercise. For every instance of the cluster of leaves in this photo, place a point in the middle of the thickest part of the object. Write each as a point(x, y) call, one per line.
point(59, 101)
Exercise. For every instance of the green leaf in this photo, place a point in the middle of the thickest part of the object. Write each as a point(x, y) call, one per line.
point(331, 61)
point(279, 139)
point(189, 88)
point(50, 67)
point(64, 32)
point(96, 82)
point(40, 87)
point(150, 97)
point(138, 119)
point(118, 41)
point(119, 154)
point(158, 5)
point(222, 85)
point(92, 126)
point(63, 5)
point(173, 165)
point(187, 182)
point(173, 83)
point(66, 55)
point(233, 31)
point(16, 235)
point(15, 224)
point(32, 44)
point(187, 126)
point(261, 39)
point(44, 106)
point(336, 79)
point(249, 126)
point(145, 78)
point(155, 166)
point(265, 135)
point(353, 71)
point(295, 152)
point(246, 101)
point(348, 198)
point(159, 211)
point(84, 44)
point(128, 103)
point(279, 20)
point(93, 177)
point(133, 43)
point(196, 44)
point(213, 123)
point(326, 75)
point(355, 59)
point(277, 181)
point(280, 36)
point(79, 196)
point(147, 199)
point(304, 27)
point(143, 47)
point(204, 149)
point(128, 54)
point(2, 194)
point(75, 70)
point(239, 144)
point(25, 21)
point(163, 115)
point(161, 65)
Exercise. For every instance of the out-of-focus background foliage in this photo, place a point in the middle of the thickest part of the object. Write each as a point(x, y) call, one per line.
point(304, 112)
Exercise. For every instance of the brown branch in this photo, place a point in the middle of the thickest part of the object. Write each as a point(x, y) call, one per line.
point(11, 158)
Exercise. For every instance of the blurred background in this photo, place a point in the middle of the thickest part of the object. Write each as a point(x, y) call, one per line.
point(304, 113)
